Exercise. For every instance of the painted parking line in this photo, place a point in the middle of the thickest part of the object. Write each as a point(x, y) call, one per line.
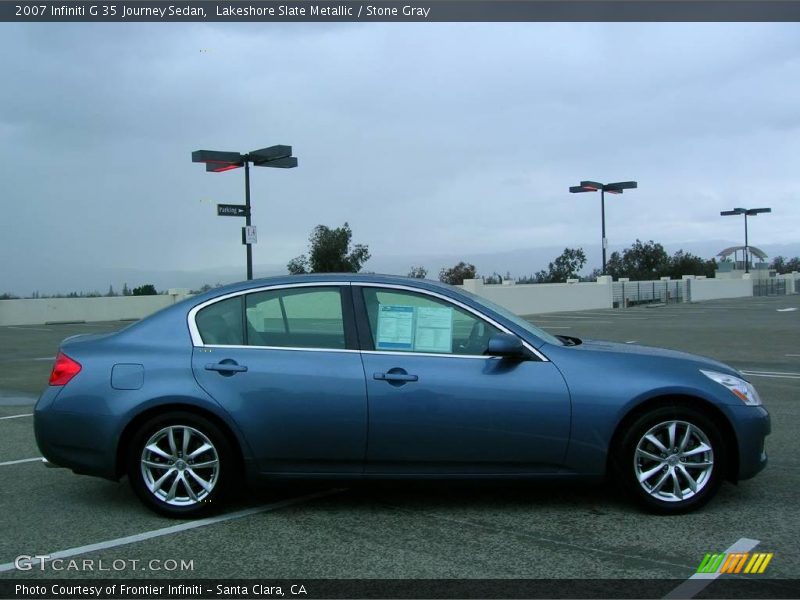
point(19, 462)
point(28, 328)
point(16, 416)
point(773, 374)
point(699, 581)
point(156, 533)
point(631, 342)
point(785, 309)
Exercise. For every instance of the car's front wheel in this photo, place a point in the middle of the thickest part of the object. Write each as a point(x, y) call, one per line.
point(180, 464)
point(672, 459)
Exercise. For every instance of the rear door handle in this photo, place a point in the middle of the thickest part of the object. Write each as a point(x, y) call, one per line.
point(394, 377)
point(226, 367)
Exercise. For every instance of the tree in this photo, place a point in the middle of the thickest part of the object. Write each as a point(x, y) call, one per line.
point(642, 261)
point(781, 265)
point(111, 293)
point(329, 252)
point(493, 279)
point(125, 290)
point(686, 263)
point(457, 274)
point(147, 289)
point(418, 272)
point(565, 266)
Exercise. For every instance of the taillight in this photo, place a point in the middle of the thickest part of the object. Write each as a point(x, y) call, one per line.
point(64, 370)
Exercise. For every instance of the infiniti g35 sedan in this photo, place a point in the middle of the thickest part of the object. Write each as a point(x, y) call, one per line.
point(369, 376)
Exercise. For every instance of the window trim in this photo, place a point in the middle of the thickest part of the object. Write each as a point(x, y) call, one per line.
point(343, 287)
point(365, 334)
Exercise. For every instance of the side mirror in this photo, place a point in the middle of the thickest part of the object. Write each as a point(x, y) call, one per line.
point(505, 345)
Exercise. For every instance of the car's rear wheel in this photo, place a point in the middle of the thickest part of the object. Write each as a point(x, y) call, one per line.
point(180, 465)
point(672, 459)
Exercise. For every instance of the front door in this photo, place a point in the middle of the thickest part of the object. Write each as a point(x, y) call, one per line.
point(438, 405)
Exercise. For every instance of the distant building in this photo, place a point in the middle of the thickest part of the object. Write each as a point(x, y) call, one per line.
point(734, 268)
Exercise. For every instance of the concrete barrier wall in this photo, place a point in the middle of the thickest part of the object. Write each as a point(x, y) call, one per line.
point(537, 298)
point(711, 289)
point(52, 310)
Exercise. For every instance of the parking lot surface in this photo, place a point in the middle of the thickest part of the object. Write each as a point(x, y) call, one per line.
point(424, 530)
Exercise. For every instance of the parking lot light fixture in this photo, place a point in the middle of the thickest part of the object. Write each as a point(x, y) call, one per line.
point(279, 157)
point(611, 188)
point(747, 212)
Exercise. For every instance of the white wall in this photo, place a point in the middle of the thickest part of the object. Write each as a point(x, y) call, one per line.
point(49, 310)
point(710, 289)
point(536, 298)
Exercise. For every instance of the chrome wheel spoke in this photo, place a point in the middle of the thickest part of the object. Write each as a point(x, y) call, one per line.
point(676, 485)
point(661, 482)
point(200, 450)
point(689, 478)
point(157, 484)
point(671, 434)
point(648, 455)
point(156, 465)
point(205, 465)
point(648, 474)
point(158, 451)
point(171, 438)
point(701, 447)
point(203, 483)
point(187, 434)
point(654, 440)
point(174, 487)
point(189, 489)
point(685, 439)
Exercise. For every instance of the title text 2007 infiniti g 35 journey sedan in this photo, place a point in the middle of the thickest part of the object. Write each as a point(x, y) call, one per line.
point(353, 376)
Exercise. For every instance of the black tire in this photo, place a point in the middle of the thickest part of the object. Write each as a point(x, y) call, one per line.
point(182, 476)
point(637, 456)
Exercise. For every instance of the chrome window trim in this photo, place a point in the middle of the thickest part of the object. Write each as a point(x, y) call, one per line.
point(477, 313)
point(197, 340)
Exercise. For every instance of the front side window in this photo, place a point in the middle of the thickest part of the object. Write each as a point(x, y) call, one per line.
point(221, 323)
point(309, 317)
point(411, 322)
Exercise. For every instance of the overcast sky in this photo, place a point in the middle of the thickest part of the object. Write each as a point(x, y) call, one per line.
point(427, 138)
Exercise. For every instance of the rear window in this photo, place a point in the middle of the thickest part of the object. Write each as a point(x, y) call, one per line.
point(221, 323)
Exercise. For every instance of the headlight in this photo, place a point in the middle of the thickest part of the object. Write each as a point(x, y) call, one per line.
point(740, 388)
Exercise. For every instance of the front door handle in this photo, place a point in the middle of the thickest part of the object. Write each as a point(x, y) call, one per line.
point(226, 367)
point(404, 377)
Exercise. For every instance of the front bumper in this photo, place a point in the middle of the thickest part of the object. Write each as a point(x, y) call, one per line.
point(752, 426)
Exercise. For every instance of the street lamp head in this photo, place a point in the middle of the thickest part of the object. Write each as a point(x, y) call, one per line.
point(591, 186)
point(735, 211)
point(217, 162)
point(620, 185)
point(754, 211)
point(577, 189)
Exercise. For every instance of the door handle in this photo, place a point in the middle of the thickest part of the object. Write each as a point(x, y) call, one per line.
point(226, 367)
point(394, 377)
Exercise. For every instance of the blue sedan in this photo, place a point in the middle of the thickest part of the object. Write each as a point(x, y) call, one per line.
point(368, 376)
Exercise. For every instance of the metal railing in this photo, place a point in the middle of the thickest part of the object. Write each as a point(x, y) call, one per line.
point(632, 293)
point(770, 287)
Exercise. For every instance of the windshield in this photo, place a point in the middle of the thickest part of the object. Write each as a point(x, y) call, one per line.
point(517, 320)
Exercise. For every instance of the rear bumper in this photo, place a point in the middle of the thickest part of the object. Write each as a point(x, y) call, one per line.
point(84, 443)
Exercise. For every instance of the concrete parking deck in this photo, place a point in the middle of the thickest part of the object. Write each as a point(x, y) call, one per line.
point(428, 530)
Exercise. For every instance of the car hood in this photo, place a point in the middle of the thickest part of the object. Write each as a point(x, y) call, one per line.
point(651, 351)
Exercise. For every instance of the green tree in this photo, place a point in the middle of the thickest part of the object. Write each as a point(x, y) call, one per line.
point(329, 252)
point(686, 263)
point(126, 290)
point(111, 293)
point(566, 266)
point(457, 274)
point(147, 289)
point(782, 265)
point(418, 272)
point(642, 261)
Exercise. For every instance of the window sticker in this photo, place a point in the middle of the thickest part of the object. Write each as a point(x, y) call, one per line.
point(395, 327)
point(434, 330)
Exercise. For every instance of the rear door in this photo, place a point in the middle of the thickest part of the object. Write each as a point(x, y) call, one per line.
point(283, 362)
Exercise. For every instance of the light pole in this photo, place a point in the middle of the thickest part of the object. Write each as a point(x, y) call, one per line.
point(218, 162)
point(747, 212)
point(611, 188)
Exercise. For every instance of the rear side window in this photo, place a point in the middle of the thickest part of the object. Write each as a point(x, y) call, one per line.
point(309, 317)
point(221, 323)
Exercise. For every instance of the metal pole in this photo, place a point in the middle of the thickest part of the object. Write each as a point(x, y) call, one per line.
point(603, 221)
point(746, 247)
point(247, 215)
